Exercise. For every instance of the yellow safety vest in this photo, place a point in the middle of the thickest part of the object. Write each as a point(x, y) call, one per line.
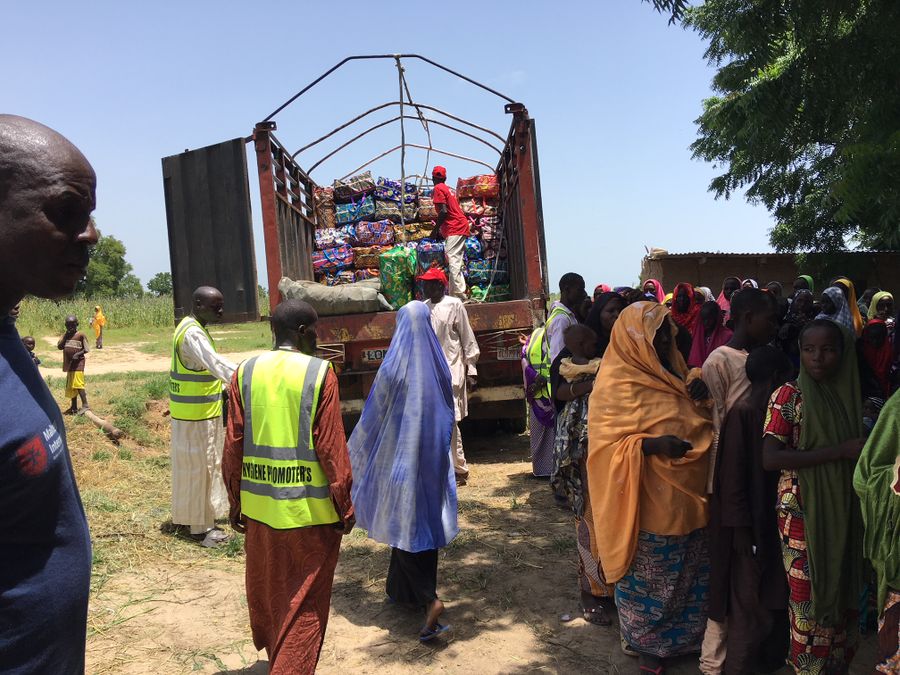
point(538, 352)
point(194, 395)
point(282, 483)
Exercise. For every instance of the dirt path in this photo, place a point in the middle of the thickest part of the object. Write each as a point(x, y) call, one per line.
point(127, 357)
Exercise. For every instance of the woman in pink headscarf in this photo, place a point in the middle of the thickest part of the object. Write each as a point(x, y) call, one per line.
point(654, 288)
point(729, 287)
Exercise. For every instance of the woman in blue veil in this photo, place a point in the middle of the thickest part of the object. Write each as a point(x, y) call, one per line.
point(404, 490)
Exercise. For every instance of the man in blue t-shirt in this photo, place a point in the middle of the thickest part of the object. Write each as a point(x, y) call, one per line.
point(47, 193)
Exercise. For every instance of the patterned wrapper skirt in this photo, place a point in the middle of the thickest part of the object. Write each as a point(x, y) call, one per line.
point(664, 598)
point(814, 649)
point(542, 439)
point(889, 635)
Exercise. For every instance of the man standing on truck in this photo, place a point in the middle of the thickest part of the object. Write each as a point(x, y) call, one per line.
point(195, 403)
point(451, 325)
point(453, 227)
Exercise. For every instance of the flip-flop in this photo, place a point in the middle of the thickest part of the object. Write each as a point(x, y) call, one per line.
point(434, 632)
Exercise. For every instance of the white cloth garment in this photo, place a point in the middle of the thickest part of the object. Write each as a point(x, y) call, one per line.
point(451, 325)
point(455, 251)
point(198, 491)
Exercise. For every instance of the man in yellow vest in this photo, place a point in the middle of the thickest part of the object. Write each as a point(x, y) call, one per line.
point(541, 351)
point(287, 472)
point(196, 378)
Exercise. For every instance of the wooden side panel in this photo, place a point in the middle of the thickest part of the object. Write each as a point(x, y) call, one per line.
point(210, 227)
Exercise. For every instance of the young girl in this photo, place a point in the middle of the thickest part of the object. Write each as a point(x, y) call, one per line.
point(577, 372)
point(813, 434)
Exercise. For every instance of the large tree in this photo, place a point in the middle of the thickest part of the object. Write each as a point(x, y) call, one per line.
point(807, 116)
point(109, 275)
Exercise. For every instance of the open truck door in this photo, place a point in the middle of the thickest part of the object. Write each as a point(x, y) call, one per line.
point(210, 227)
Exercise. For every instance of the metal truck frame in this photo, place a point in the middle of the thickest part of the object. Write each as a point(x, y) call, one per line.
point(356, 343)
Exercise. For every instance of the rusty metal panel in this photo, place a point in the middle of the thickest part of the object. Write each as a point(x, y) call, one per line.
point(210, 227)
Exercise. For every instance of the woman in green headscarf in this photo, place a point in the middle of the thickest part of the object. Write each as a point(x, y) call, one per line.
point(813, 435)
point(877, 482)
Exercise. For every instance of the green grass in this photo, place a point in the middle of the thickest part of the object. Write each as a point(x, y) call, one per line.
point(40, 317)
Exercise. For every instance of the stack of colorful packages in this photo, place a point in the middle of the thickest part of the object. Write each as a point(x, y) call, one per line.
point(487, 267)
point(364, 224)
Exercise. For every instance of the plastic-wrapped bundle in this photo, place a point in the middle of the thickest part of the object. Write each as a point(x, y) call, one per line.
point(336, 278)
point(485, 186)
point(333, 260)
point(323, 197)
point(498, 293)
point(368, 273)
point(398, 269)
point(367, 257)
point(354, 187)
point(390, 190)
point(332, 237)
point(413, 232)
point(374, 233)
point(391, 211)
point(427, 209)
point(474, 249)
point(489, 271)
point(429, 253)
point(354, 211)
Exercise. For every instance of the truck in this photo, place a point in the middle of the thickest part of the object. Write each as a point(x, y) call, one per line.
point(210, 228)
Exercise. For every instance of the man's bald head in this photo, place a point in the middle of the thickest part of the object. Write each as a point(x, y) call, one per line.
point(47, 194)
point(293, 324)
point(209, 304)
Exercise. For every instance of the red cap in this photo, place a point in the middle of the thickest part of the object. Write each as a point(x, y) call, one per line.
point(434, 274)
point(439, 171)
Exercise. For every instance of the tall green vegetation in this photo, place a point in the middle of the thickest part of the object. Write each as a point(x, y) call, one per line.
point(42, 317)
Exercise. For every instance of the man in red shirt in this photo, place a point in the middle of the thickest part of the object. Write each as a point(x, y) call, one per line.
point(454, 228)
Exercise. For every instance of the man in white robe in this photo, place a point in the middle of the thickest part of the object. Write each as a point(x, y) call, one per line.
point(198, 490)
point(451, 325)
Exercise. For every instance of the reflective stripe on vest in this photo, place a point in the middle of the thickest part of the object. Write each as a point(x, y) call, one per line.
point(538, 351)
point(194, 395)
point(282, 483)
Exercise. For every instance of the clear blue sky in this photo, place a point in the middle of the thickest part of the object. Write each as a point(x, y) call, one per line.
point(613, 88)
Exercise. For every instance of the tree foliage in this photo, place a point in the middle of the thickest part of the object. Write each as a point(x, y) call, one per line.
point(674, 8)
point(109, 275)
point(807, 116)
point(160, 284)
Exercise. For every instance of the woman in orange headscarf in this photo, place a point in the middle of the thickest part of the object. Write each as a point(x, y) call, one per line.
point(849, 291)
point(648, 443)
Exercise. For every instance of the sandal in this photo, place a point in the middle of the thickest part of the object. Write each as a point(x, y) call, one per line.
point(651, 664)
point(596, 616)
point(627, 649)
point(431, 633)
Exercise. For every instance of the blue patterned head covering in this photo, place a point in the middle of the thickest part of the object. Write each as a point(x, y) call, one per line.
point(404, 489)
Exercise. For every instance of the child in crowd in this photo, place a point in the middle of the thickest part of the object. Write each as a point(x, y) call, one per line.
point(748, 587)
point(754, 317)
point(569, 475)
point(29, 343)
point(813, 435)
point(74, 346)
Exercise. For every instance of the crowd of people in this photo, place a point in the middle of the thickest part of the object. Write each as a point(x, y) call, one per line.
point(732, 466)
point(731, 461)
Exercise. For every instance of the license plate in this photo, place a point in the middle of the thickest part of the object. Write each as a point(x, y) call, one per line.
point(373, 355)
point(509, 353)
